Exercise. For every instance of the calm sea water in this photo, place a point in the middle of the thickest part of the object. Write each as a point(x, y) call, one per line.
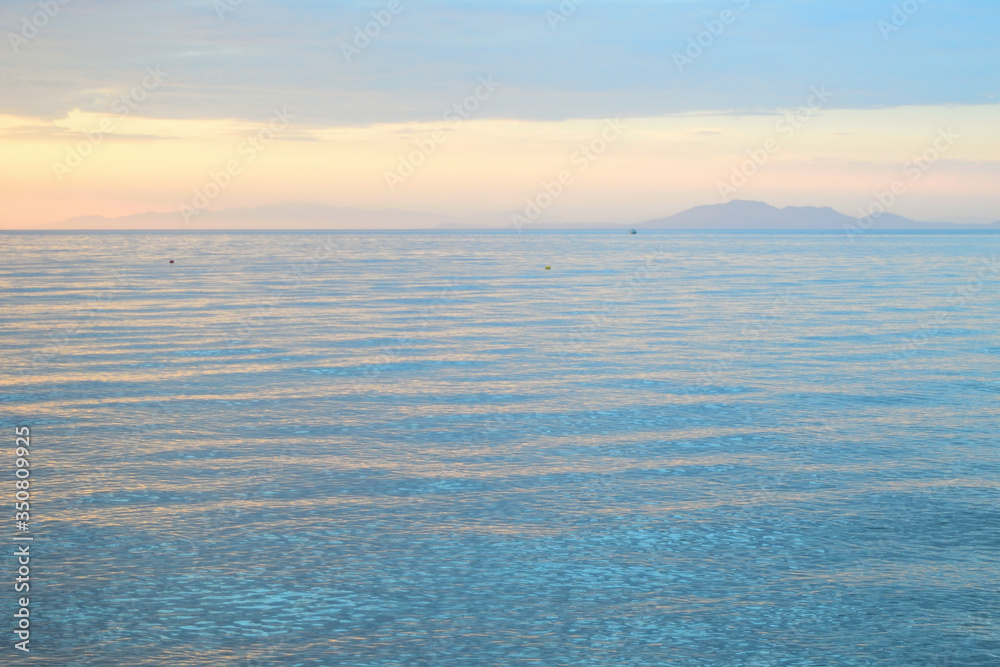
point(427, 449)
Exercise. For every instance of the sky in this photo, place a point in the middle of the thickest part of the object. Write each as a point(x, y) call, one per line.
point(586, 111)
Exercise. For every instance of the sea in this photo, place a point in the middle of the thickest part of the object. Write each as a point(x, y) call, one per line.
point(458, 448)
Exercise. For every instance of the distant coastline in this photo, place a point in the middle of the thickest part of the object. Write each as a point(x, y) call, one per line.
point(737, 215)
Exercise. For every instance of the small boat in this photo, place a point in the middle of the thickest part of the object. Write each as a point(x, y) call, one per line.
point(632, 231)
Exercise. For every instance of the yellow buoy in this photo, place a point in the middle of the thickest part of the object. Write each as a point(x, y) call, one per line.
point(547, 268)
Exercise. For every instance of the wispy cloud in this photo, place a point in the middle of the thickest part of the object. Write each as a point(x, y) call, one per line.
point(610, 58)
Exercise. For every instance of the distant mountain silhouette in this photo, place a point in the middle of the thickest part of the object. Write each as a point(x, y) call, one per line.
point(742, 214)
point(286, 215)
point(734, 215)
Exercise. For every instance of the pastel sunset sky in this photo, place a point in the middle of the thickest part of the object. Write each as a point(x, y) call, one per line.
point(467, 108)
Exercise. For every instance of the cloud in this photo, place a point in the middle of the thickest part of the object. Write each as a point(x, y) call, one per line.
point(607, 58)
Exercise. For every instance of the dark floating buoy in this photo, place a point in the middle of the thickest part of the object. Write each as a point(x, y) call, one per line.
point(171, 261)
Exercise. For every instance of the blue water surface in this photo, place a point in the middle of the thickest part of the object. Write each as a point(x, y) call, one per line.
point(427, 449)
